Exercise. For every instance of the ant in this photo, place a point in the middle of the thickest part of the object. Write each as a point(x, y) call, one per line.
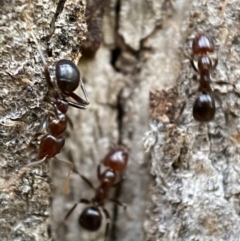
point(204, 106)
point(68, 79)
point(91, 217)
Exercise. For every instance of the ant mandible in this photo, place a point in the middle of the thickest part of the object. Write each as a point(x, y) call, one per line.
point(68, 79)
point(91, 217)
point(204, 106)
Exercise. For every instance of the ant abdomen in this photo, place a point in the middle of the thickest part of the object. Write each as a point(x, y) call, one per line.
point(204, 107)
point(67, 76)
point(90, 218)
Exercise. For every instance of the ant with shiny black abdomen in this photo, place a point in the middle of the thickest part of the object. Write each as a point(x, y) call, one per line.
point(91, 217)
point(68, 79)
point(204, 106)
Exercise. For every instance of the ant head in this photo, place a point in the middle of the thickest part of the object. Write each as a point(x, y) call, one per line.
point(204, 108)
point(67, 76)
point(91, 218)
point(116, 159)
point(202, 44)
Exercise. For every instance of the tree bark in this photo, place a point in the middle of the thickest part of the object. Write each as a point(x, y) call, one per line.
point(25, 206)
point(196, 167)
point(134, 48)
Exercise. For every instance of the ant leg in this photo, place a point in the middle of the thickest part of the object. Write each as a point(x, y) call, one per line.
point(221, 82)
point(177, 120)
point(85, 201)
point(99, 172)
point(84, 92)
point(70, 211)
point(12, 180)
point(43, 125)
point(119, 203)
point(66, 185)
point(70, 122)
point(22, 171)
point(81, 103)
point(193, 65)
point(191, 61)
point(76, 105)
point(37, 162)
point(225, 110)
point(85, 179)
point(124, 207)
point(108, 220)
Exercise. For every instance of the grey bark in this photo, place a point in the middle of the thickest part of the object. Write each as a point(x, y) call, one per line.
point(193, 192)
point(25, 206)
point(196, 167)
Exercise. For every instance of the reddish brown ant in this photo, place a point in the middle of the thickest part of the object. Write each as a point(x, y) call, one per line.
point(68, 79)
point(91, 217)
point(204, 106)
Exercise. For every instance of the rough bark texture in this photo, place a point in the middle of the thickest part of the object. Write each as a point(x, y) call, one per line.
point(136, 48)
point(25, 207)
point(135, 56)
point(196, 190)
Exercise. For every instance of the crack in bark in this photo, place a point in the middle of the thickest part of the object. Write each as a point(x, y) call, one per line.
point(59, 9)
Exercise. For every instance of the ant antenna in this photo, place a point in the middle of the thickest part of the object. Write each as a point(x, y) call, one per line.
point(47, 75)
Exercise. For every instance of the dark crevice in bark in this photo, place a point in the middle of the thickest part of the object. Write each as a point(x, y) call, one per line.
point(117, 10)
point(117, 193)
point(115, 214)
point(117, 51)
point(115, 54)
point(49, 231)
point(59, 9)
